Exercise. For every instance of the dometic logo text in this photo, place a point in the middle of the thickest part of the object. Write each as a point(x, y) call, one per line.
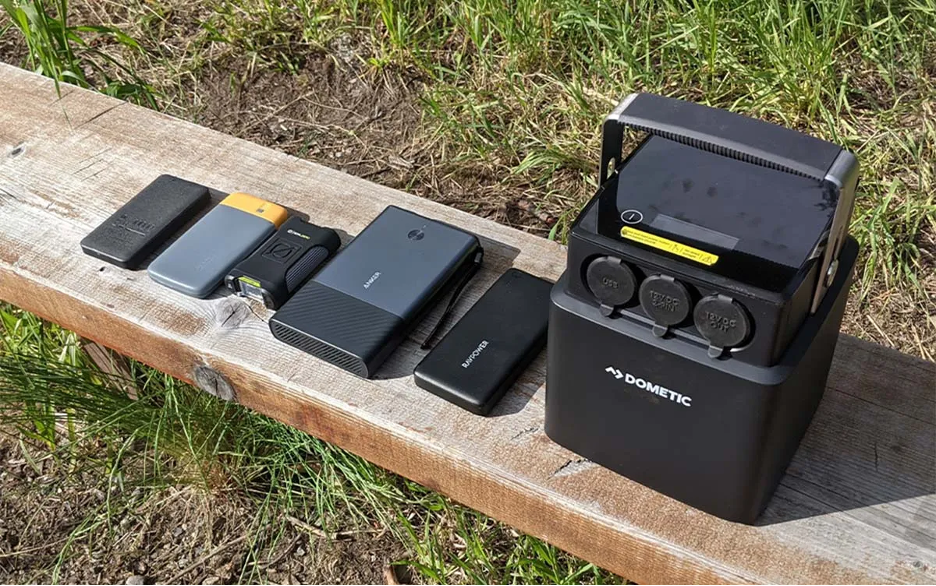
point(370, 281)
point(684, 400)
point(477, 352)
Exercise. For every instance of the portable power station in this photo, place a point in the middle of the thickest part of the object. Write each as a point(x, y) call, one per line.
point(691, 335)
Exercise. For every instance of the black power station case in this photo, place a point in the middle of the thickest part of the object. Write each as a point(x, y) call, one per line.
point(692, 333)
point(726, 451)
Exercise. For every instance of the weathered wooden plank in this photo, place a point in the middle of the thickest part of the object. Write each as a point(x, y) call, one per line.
point(858, 503)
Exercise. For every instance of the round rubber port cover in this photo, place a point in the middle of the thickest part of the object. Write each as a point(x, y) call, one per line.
point(665, 300)
point(611, 281)
point(722, 321)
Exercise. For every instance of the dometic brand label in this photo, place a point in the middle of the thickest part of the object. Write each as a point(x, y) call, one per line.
point(475, 353)
point(643, 384)
point(671, 246)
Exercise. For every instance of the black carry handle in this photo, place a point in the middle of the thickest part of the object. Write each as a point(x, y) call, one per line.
point(746, 139)
point(719, 131)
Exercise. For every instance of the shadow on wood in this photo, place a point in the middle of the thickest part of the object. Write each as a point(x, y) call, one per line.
point(892, 461)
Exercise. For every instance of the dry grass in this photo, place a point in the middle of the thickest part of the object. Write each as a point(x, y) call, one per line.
point(460, 105)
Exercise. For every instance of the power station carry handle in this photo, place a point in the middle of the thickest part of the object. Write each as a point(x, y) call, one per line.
point(746, 139)
point(719, 131)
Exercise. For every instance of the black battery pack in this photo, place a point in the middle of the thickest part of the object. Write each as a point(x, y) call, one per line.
point(134, 231)
point(485, 352)
point(283, 263)
point(362, 304)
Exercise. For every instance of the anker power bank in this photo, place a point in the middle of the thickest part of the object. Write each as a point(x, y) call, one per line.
point(198, 261)
point(488, 349)
point(358, 308)
point(134, 231)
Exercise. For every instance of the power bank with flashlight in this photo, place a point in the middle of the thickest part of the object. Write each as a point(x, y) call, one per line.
point(276, 270)
point(198, 261)
point(358, 308)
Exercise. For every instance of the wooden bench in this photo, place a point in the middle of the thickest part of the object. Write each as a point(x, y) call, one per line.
point(858, 503)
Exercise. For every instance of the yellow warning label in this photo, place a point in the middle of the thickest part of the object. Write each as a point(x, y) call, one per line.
point(706, 258)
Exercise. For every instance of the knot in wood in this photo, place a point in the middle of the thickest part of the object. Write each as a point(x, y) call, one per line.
point(213, 382)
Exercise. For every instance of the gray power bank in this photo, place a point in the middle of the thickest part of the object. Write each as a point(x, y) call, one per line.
point(198, 261)
point(358, 308)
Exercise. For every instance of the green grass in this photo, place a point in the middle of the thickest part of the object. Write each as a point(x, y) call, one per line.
point(68, 53)
point(175, 434)
point(514, 91)
point(520, 88)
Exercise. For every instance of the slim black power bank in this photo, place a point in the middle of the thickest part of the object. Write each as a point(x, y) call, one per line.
point(358, 308)
point(485, 352)
point(134, 231)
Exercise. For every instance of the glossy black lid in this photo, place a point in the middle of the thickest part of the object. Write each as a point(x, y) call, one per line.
point(760, 225)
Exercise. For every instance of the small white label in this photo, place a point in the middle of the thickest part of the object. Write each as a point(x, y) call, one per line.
point(661, 391)
point(475, 353)
point(370, 281)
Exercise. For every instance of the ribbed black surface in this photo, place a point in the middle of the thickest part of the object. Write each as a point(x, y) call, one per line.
point(319, 349)
point(723, 151)
point(304, 267)
point(732, 135)
point(337, 328)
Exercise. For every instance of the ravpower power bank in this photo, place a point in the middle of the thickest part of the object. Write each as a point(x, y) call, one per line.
point(485, 352)
point(198, 261)
point(358, 308)
point(134, 231)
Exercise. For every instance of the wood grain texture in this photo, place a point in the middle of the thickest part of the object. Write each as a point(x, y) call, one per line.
point(858, 503)
point(113, 364)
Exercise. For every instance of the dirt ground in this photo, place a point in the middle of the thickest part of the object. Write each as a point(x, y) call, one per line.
point(168, 535)
point(335, 114)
